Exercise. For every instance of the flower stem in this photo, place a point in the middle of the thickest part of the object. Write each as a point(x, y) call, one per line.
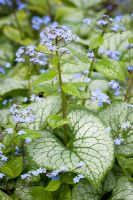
point(129, 88)
point(89, 75)
point(64, 100)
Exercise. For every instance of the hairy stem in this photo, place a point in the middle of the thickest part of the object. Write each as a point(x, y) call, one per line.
point(64, 99)
point(129, 89)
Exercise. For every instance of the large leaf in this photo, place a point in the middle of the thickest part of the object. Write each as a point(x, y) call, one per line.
point(9, 85)
point(42, 109)
point(110, 68)
point(90, 144)
point(4, 196)
point(123, 190)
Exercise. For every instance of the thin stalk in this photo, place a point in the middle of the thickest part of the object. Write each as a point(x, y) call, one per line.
point(129, 89)
point(89, 75)
point(64, 100)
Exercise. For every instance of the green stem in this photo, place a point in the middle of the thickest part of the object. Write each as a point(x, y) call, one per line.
point(64, 100)
point(129, 89)
point(89, 75)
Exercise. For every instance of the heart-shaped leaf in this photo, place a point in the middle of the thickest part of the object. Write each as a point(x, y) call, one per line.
point(90, 144)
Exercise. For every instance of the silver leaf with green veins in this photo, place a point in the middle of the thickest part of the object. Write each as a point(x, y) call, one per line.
point(42, 109)
point(114, 116)
point(90, 144)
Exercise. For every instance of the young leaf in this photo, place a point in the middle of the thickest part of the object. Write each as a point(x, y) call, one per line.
point(13, 168)
point(90, 144)
point(46, 76)
point(56, 121)
point(70, 89)
point(47, 89)
point(39, 193)
point(53, 185)
point(96, 42)
point(110, 68)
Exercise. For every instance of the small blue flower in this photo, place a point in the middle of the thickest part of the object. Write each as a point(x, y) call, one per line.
point(77, 178)
point(126, 125)
point(102, 22)
point(118, 141)
point(2, 175)
point(21, 132)
point(87, 21)
point(130, 68)
point(9, 130)
point(28, 140)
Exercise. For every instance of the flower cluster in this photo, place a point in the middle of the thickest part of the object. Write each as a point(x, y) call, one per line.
point(22, 115)
point(37, 22)
point(34, 56)
point(2, 157)
point(97, 95)
point(115, 86)
point(33, 173)
point(56, 37)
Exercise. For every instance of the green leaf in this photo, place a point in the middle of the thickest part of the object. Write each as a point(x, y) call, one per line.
point(31, 133)
point(55, 61)
point(49, 75)
point(123, 190)
point(56, 121)
point(4, 196)
point(13, 168)
point(65, 193)
point(96, 42)
point(42, 109)
point(110, 69)
point(90, 144)
point(70, 89)
point(46, 88)
point(39, 193)
point(126, 164)
point(53, 185)
point(130, 40)
point(14, 35)
point(9, 85)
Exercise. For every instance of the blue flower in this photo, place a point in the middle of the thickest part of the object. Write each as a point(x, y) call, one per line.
point(77, 178)
point(126, 125)
point(102, 22)
point(2, 175)
point(87, 21)
point(118, 141)
point(97, 95)
point(130, 68)
point(28, 140)
point(9, 130)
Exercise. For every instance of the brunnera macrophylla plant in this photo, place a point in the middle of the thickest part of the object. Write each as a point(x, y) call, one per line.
point(70, 136)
